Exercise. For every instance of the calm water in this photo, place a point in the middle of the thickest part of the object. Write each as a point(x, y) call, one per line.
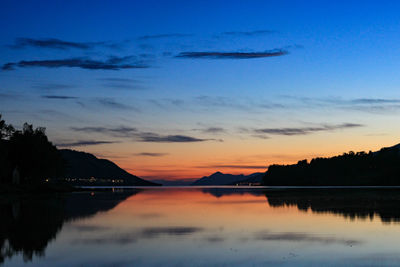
point(203, 227)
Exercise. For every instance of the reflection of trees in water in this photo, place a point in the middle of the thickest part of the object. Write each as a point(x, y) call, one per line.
point(350, 203)
point(28, 224)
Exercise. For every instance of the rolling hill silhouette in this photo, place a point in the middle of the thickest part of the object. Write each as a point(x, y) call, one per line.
point(82, 166)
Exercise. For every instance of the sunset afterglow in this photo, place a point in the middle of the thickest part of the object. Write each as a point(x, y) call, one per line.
point(184, 89)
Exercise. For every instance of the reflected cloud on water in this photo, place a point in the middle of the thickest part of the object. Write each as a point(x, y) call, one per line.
point(145, 233)
point(303, 237)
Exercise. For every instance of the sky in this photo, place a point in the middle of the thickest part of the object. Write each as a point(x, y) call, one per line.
point(181, 89)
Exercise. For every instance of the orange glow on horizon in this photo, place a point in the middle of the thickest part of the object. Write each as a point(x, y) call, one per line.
point(235, 156)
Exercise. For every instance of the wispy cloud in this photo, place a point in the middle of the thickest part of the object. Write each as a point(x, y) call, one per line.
point(211, 130)
point(60, 97)
point(50, 43)
point(121, 131)
point(167, 35)
point(375, 101)
point(54, 43)
point(166, 103)
point(157, 138)
point(52, 86)
point(111, 103)
point(233, 55)
point(84, 143)
point(305, 130)
point(112, 63)
point(122, 83)
point(370, 105)
point(6, 96)
point(150, 154)
point(137, 135)
point(220, 102)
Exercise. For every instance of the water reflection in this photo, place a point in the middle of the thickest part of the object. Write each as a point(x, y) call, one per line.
point(206, 226)
point(350, 203)
point(28, 224)
point(361, 203)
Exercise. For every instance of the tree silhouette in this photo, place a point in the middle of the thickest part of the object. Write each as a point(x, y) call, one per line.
point(6, 130)
point(354, 169)
point(30, 152)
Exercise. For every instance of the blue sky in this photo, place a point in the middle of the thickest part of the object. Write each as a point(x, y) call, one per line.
point(182, 87)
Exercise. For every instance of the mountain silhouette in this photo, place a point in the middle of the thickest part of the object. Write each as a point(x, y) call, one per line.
point(254, 178)
point(220, 178)
point(83, 166)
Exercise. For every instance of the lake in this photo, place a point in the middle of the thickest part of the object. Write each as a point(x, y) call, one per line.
point(225, 226)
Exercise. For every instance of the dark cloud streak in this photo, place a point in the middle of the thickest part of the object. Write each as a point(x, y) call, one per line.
point(232, 55)
point(113, 63)
point(214, 130)
point(305, 130)
point(156, 138)
point(60, 97)
point(50, 43)
point(375, 101)
point(54, 43)
point(85, 143)
point(110, 103)
point(52, 86)
point(122, 131)
point(150, 154)
point(130, 132)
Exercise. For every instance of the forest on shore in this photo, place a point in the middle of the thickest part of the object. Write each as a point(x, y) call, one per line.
point(380, 168)
point(27, 157)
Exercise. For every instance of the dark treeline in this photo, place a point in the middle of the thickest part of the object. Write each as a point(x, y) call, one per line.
point(380, 168)
point(27, 156)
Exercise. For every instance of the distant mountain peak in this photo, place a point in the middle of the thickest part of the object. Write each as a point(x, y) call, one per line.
point(219, 178)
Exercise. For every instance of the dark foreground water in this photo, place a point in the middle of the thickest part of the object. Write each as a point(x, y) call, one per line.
point(203, 227)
